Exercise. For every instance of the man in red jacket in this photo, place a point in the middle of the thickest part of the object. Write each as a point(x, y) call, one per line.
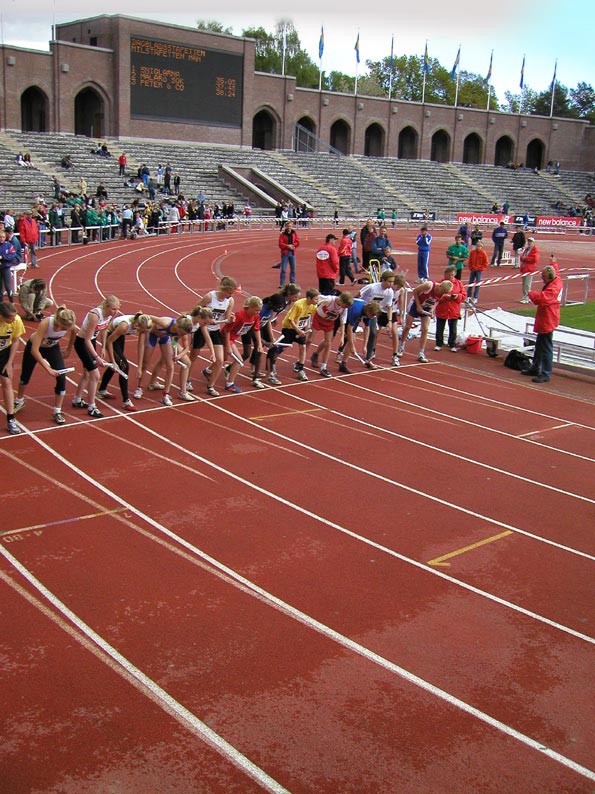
point(547, 319)
point(327, 265)
point(29, 235)
point(288, 242)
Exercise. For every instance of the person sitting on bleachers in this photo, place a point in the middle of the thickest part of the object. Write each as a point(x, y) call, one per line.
point(101, 191)
point(27, 160)
point(20, 159)
point(66, 162)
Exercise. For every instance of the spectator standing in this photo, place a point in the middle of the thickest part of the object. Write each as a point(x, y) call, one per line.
point(7, 259)
point(499, 236)
point(465, 233)
point(448, 310)
point(519, 241)
point(529, 264)
point(478, 262)
point(288, 243)
point(457, 254)
point(345, 251)
point(476, 235)
point(547, 319)
point(423, 242)
point(122, 162)
point(29, 235)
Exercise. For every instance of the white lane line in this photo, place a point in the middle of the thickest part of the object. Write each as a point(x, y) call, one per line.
point(474, 425)
point(331, 524)
point(547, 430)
point(426, 445)
point(147, 685)
point(224, 747)
point(491, 400)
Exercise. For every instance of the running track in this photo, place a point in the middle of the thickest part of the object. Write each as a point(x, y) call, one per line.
point(381, 583)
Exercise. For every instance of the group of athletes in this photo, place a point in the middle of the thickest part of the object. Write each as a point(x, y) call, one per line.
point(228, 336)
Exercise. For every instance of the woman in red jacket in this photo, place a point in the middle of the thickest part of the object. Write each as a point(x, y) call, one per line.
point(478, 262)
point(529, 263)
point(547, 319)
point(288, 243)
point(448, 308)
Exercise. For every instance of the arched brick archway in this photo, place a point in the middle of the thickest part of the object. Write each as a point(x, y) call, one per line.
point(34, 110)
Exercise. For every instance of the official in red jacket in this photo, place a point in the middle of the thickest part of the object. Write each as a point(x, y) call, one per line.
point(288, 243)
point(327, 265)
point(29, 235)
point(547, 319)
point(448, 309)
point(529, 264)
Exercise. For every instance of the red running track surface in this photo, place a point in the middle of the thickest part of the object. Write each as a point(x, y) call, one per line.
point(377, 583)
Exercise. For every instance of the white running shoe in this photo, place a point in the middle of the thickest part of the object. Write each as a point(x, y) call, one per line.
point(138, 393)
point(166, 400)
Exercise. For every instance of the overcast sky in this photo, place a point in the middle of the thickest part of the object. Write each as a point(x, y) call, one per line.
point(543, 32)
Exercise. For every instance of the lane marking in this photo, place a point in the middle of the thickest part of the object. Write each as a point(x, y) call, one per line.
point(433, 448)
point(72, 520)
point(492, 400)
point(231, 752)
point(475, 425)
point(546, 430)
point(285, 413)
point(441, 560)
point(146, 684)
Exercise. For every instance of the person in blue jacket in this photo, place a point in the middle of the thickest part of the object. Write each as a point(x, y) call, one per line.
point(499, 236)
point(423, 242)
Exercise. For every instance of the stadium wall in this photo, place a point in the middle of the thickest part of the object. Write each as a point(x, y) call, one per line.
point(95, 53)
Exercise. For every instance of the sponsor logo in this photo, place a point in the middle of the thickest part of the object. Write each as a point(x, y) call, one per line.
point(557, 221)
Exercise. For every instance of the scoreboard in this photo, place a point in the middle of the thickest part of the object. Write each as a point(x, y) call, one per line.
point(178, 82)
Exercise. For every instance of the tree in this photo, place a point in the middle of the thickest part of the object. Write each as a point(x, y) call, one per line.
point(340, 82)
point(269, 53)
point(582, 101)
point(543, 102)
point(213, 26)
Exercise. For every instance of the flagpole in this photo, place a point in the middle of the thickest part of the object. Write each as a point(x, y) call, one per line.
point(390, 79)
point(356, 61)
point(553, 89)
point(488, 78)
point(457, 88)
point(425, 71)
point(284, 50)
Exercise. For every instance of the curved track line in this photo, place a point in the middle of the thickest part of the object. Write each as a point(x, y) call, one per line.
point(302, 618)
point(146, 684)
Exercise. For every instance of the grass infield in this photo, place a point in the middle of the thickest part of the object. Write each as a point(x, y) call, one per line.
point(581, 317)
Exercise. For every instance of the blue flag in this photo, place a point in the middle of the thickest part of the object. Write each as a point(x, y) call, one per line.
point(426, 60)
point(553, 85)
point(489, 75)
point(453, 73)
point(392, 54)
point(356, 48)
point(522, 83)
point(321, 44)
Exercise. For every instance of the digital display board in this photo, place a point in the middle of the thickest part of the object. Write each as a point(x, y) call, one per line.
point(177, 82)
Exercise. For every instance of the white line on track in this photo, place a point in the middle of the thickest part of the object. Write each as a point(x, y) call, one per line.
point(147, 685)
point(462, 420)
point(291, 611)
point(497, 403)
point(549, 430)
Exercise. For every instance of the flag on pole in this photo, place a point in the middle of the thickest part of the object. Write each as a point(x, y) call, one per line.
point(356, 48)
point(553, 85)
point(321, 43)
point(489, 75)
point(392, 54)
point(522, 83)
point(456, 65)
point(426, 60)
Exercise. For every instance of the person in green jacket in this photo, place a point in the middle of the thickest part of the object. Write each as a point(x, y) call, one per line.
point(457, 255)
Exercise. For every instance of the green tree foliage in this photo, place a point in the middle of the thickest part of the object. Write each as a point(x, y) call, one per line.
point(269, 53)
point(582, 101)
point(408, 77)
point(212, 26)
point(338, 81)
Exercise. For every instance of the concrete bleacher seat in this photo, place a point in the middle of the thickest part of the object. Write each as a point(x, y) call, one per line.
point(355, 186)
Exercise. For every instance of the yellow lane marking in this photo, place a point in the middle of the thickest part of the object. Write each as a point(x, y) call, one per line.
point(285, 413)
point(63, 521)
point(441, 560)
